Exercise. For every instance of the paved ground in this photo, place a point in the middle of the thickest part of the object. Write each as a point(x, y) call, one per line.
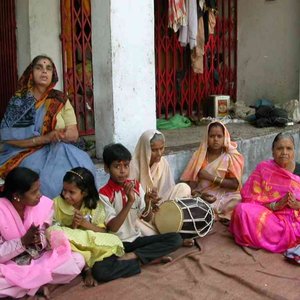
point(188, 138)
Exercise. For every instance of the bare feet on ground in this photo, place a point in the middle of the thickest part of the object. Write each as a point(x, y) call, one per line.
point(88, 279)
point(127, 256)
point(42, 294)
point(162, 260)
point(188, 243)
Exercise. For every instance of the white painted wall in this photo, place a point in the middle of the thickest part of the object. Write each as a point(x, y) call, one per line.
point(124, 70)
point(268, 50)
point(38, 30)
point(22, 35)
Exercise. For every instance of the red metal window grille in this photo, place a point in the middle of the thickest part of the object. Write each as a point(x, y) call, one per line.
point(8, 53)
point(76, 36)
point(178, 88)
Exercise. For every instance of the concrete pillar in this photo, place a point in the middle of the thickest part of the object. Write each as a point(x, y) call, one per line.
point(38, 31)
point(123, 70)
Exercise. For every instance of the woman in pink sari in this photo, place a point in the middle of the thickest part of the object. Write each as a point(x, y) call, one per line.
point(215, 171)
point(269, 215)
point(27, 261)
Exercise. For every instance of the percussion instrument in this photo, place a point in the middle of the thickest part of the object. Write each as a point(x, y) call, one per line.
point(191, 217)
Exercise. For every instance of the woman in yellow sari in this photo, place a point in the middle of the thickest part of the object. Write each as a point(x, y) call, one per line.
point(215, 171)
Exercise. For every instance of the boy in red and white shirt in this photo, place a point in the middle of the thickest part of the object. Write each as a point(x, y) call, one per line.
point(125, 202)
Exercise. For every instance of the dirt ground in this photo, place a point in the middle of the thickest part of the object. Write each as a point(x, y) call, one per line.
point(189, 138)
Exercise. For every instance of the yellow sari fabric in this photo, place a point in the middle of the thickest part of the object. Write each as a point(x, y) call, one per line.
point(94, 246)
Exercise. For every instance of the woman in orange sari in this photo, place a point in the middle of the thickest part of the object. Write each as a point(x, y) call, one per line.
point(38, 128)
point(215, 171)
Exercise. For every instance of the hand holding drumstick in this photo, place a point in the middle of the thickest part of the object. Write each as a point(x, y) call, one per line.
point(152, 198)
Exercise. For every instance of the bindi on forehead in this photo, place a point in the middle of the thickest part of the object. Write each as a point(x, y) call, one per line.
point(44, 62)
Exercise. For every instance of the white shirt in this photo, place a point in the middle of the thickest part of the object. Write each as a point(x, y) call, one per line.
point(129, 231)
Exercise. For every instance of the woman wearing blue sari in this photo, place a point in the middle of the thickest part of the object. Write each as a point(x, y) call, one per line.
point(38, 128)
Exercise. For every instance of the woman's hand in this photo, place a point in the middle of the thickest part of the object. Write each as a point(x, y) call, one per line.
point(31, 237)
point(205, 196)
point(292, 202)
point(152, 195)
point(280, 204)
point(203, 174)
point(54, 136)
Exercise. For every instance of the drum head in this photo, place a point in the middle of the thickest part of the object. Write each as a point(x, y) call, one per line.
point(169, 217)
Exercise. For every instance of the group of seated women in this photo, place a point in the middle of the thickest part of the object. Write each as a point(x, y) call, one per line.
point(50, 241)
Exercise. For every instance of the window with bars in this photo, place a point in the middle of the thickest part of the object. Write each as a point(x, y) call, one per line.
point(76, 37)
point(178, 88)
point(8, 53)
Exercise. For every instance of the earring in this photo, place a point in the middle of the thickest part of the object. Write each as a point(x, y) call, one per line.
point(16, 199)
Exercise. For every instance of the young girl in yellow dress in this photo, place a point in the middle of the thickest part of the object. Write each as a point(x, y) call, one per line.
point(80, 214)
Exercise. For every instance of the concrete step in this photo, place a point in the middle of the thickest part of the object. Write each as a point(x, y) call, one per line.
point(254, 143)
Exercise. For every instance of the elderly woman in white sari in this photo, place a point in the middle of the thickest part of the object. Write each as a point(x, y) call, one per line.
point(152, 170)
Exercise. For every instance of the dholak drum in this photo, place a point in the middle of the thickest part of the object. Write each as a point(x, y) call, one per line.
point(191, 217)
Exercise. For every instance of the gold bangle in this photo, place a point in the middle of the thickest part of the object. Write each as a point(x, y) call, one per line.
point(220, 182)
point(215, 179)
point(34, 142)
point(145, 214)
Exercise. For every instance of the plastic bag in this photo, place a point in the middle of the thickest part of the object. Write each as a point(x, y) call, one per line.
point(174, 122)
point(293, 109)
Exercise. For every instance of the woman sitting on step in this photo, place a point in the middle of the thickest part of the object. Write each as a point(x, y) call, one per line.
point(39, 127)
point(215, 171)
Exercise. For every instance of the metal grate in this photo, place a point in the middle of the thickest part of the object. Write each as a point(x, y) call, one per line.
point(8, 53)
point(178, 88)
point(76, 36)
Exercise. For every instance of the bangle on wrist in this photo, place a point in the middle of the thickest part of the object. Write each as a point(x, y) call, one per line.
point(218, 180)
point(34, 141)
point(146, 213)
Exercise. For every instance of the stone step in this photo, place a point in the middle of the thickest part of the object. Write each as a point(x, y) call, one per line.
point(253, 143)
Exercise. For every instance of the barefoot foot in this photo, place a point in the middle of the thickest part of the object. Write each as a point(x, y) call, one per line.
point(162, 260)
point(127, 256)
point(188, 243)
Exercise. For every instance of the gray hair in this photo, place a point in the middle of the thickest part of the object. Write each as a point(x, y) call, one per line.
point(157, 137)
point(281, 136)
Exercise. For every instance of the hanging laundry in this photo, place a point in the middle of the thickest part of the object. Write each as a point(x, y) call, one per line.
point(198, 51)
point(177, 14)
point(209, 18)
point(188, 32)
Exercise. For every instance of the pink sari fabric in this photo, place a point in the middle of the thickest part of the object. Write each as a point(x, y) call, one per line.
point(255, 225)
point(18, 280)
point(230, 161)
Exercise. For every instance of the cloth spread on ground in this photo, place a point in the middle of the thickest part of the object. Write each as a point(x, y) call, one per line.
point(221, 270)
